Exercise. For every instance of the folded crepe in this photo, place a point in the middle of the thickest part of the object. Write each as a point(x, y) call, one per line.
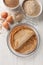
point(21, 37)
point(32, 48)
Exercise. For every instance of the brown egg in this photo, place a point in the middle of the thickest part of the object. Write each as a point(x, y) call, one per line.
point(9, 19)
point(4, 14)
point(6, 25)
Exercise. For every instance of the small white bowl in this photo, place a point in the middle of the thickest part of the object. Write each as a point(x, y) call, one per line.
point(19, 54)
point(37, 14)
point(12, 8)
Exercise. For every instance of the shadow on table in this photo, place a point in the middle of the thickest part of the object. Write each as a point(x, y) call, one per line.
point(40, 18)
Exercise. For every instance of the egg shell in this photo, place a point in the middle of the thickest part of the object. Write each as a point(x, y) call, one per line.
point(6, 25)
point(9, 19)
point(4, 14)
point(19, 17)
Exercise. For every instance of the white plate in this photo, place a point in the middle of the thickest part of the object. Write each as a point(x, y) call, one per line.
point(8, 41)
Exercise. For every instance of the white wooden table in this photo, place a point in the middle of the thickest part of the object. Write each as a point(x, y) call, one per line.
point(7, 58)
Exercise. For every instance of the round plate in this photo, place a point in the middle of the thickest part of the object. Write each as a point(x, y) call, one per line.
point(16, 53)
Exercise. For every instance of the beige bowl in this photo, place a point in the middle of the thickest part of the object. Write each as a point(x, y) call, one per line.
point(11, 7)
point(37, 14)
